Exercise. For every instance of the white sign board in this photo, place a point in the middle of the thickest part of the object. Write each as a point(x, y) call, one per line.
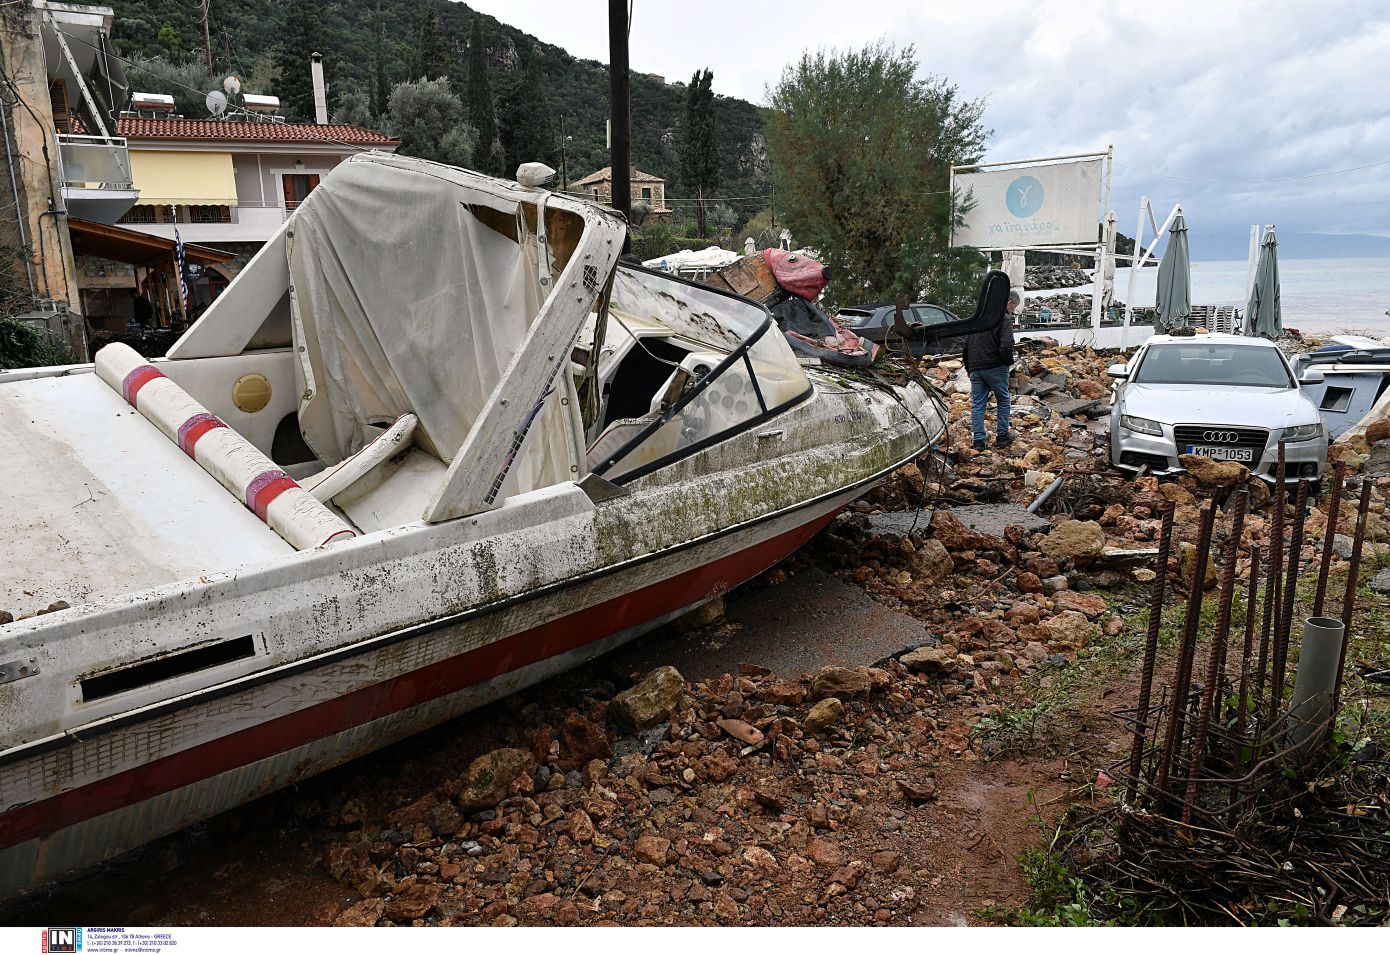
point(1026, 206)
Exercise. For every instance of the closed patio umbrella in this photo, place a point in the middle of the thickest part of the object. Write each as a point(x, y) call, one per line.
point(1174, 297)
point(1262, 316)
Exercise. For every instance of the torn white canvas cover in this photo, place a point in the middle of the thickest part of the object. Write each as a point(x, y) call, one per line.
point(413, 285)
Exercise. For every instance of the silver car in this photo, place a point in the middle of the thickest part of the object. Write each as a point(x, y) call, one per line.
point(1227, 397)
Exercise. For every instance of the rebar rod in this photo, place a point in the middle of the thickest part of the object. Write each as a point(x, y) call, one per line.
point(1363, 507)
point(1275, 584)
point(1251, 608)
point(1285, 632)
point(1182, 676)
point(1216, 654)
point(1146, 672)
point(1329, 536)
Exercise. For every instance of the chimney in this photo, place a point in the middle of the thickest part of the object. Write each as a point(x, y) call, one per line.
point(320, 98)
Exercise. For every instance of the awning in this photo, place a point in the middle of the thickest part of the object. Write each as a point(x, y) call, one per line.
point(136, 248)
point(183, 178)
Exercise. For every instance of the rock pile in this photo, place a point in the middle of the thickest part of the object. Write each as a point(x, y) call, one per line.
point(1056, 276)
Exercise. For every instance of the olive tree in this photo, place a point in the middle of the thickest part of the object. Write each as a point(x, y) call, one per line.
point(861, 151)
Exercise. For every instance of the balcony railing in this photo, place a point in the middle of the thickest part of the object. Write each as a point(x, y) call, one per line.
point(95, 162)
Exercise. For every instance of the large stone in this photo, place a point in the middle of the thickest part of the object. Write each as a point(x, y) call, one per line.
point(1217, 473)
point(938, 659)
point(823, 715)
point(1074, 539)
point(1347, 455)
point(1378, 430)
point(954, 535)
point(1378, 461)
point(1068, 630)
point(652, 701)
point(1380, 583)
point(1176, 493)
point(651, 849)
point(485, 784)
point(841, 682)
point(582, 740)
point(932, 561)
point(362, 914)
point(1089, 604)
point(417, 902)
point(1187, 557)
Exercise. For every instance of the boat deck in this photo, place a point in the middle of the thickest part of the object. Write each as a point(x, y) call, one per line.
point(110, 505)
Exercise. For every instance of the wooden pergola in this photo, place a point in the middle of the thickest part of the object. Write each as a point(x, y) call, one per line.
point(151, 255)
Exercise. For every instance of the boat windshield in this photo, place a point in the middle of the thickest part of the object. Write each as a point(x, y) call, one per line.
point(1203, 363)
point(736, 374)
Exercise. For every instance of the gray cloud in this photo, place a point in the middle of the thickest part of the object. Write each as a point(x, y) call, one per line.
point(1206, 89)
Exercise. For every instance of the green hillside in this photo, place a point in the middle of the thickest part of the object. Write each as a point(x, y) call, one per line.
point(245, 34)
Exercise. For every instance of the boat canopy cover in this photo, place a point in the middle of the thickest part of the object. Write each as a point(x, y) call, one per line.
point(414, 286)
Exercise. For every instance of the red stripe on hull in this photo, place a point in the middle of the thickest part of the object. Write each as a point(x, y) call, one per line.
point(398, 693)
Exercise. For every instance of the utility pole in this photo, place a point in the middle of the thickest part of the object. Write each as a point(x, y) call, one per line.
point(564, 157)
point(207, 36)
point(619, 97)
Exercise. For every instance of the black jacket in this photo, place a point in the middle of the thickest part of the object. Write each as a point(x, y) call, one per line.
point(986, 350)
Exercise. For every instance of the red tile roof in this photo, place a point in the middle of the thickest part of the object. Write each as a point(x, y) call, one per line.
point(237, 131)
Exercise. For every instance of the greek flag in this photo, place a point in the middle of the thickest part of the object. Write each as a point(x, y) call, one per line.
point(179, 259)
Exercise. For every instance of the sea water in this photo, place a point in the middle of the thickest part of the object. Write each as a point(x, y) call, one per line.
point(1321, 296)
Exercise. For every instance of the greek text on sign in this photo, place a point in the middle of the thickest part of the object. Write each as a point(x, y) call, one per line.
point(1051, 204)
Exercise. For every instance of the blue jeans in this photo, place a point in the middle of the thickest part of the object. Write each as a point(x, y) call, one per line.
point(982, 384)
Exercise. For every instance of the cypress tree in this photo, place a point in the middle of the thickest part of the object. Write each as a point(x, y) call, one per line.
point(301, 37)
point(381, 99)
point(480, 110)
point(700, 157)
point(427, 66)
point(526, 133)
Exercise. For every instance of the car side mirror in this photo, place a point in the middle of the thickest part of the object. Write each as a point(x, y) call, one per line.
point(1312, 376)
point(1118, 371)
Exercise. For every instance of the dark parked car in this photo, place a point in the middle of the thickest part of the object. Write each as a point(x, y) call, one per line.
point(876, 323)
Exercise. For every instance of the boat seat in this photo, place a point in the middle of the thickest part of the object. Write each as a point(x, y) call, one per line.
point(330, 482)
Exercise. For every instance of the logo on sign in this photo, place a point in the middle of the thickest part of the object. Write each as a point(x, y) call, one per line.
point(1024, 197)
point(63, 941)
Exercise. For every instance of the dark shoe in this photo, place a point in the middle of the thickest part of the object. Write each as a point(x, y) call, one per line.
point(980, 445)
point(1003, 440)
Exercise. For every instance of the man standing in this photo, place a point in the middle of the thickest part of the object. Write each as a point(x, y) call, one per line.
point(988, 358)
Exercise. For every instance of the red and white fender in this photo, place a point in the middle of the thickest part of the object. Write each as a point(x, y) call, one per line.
point(274, 497)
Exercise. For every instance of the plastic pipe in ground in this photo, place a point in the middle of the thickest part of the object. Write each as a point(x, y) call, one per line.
point(1316, 677)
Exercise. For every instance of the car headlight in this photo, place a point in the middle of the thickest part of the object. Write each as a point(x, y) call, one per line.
point(1302, 432)
point(1142, 425)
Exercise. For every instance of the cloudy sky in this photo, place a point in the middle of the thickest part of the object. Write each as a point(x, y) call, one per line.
point(1229, 90)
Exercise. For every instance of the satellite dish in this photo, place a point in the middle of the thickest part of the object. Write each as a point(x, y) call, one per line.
point(216, 102)
point(231, 85)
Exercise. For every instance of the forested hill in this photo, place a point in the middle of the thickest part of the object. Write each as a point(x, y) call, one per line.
point(245, 34)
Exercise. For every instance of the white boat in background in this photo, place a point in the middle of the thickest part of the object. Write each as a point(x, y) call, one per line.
point(434, 444)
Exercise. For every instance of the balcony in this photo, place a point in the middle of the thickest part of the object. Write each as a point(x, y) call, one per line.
point(95, 171)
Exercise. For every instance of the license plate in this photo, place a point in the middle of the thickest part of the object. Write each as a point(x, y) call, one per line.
point(1246, 455)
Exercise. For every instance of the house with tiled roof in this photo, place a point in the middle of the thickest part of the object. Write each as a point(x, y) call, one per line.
point(230, 181)
point(645, 188)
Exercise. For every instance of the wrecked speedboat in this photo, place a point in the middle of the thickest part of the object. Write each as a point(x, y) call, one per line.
point(1349, 382)
point(432, 445)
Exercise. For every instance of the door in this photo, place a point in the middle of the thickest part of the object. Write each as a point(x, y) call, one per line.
point(297, 187)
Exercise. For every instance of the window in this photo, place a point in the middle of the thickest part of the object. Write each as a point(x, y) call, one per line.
point(854, 317)
point(297, 187)
point(646, 192)
point(932, 314)
point(206, 214)
point(137, 215)
point(1202, 364)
